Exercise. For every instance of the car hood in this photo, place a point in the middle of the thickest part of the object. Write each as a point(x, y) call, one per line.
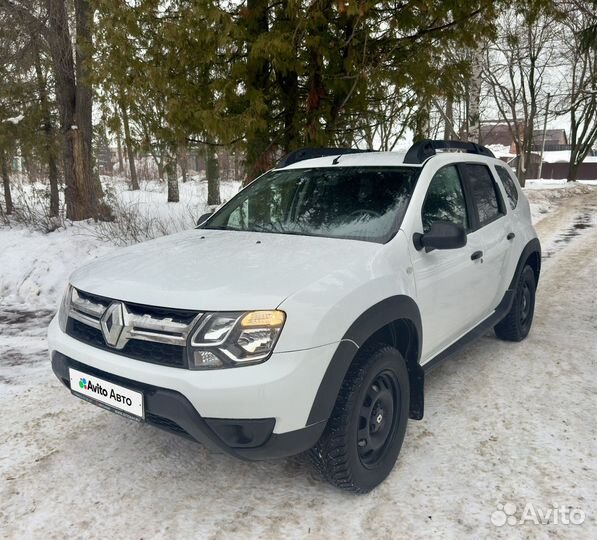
point(217, 270)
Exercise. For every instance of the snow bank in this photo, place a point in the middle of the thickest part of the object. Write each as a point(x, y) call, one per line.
point(544, 195)
point(34, 267)
point(563, 156)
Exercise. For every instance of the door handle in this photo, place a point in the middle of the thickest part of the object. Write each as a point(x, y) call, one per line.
point(476, 255)
point(510, 236)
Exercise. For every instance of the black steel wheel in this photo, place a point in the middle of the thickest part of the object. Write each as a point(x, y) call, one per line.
point(364, 434)
point(377, 418)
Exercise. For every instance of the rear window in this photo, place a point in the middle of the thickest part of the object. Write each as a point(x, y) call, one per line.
point(509, 185)
point(486, 200)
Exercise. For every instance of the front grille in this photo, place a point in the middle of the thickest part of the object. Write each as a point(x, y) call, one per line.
point(156, 353)
point(150, 334)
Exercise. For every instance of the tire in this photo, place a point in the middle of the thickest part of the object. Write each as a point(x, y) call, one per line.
point(517, 324)
point(364, 434)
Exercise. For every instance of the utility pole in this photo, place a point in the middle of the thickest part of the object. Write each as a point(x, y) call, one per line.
point(544, 131)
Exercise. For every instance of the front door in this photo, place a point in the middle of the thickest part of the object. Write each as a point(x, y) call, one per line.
point(449, 281)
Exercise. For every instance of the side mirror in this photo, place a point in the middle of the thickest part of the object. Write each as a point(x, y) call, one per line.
point(204, 218)
point(442, 235)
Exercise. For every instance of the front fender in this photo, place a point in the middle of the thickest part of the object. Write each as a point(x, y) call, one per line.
point(366, 325)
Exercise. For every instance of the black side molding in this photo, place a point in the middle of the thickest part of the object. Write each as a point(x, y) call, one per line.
point(500, 312)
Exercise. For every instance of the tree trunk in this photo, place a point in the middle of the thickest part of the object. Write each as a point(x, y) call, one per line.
point(84, 100)
point(75, 103)
point(129, 147)
point(182, 161)
point(54, 192)
point(314, 134)
point(474, 101)
point(170, 168)
point(49, 146)
point(6, 184)
point(213, 176)
point(573, 166)
point(257, 156)
point(520, 164)
point(421, 123)
point(119, 148)
point(449, 133)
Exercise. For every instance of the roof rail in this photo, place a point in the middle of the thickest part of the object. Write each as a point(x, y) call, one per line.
point(422, 150)
point(311, 153)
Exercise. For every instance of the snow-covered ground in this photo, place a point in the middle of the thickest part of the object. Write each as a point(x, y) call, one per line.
point(505, 424)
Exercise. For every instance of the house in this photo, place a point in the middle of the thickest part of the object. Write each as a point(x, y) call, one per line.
point(555, 140)
point(499, 133)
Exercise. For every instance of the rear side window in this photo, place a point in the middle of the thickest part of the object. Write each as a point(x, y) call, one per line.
point(509, 185)
point(486, 200)
point(445, 199)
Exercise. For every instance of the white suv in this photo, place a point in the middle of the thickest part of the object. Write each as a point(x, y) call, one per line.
point(305, 312)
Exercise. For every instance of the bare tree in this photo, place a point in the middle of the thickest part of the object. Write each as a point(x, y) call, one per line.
point(515, 72)
point(580, 100)
point(384, 123)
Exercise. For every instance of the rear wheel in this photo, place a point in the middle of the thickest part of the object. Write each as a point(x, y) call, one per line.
point(364, 435)
point(517, 324)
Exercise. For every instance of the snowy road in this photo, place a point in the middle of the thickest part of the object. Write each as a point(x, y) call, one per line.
point(504, 423)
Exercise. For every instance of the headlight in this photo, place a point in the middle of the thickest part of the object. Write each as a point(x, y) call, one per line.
point(65, 308)
point(235, 338)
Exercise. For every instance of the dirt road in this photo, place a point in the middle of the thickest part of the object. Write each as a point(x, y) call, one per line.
point(506, 426)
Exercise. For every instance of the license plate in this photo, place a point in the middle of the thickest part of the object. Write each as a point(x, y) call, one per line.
point(106, 394)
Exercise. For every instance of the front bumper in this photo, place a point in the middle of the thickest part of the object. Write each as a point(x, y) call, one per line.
point(252, 412)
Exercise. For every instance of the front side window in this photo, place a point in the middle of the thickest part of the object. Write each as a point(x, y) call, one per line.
point(445, 199)
point(509, 185)
point(359, 203)
point(484, 193)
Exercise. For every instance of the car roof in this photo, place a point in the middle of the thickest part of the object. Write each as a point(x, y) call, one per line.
point(387, 159)
point(365, 159)
point(418, 154)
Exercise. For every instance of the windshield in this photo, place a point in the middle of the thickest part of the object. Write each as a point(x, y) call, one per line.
point(359, 203)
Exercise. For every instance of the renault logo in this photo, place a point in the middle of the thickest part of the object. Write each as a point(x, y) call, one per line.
point(112, 324)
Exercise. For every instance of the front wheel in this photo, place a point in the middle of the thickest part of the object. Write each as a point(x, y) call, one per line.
point(363, 437)
point(517, 324)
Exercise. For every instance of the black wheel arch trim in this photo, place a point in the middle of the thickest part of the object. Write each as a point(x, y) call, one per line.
point(399, 307)
point(533, 247)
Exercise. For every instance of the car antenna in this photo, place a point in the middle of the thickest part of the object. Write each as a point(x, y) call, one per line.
point(336, 159)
